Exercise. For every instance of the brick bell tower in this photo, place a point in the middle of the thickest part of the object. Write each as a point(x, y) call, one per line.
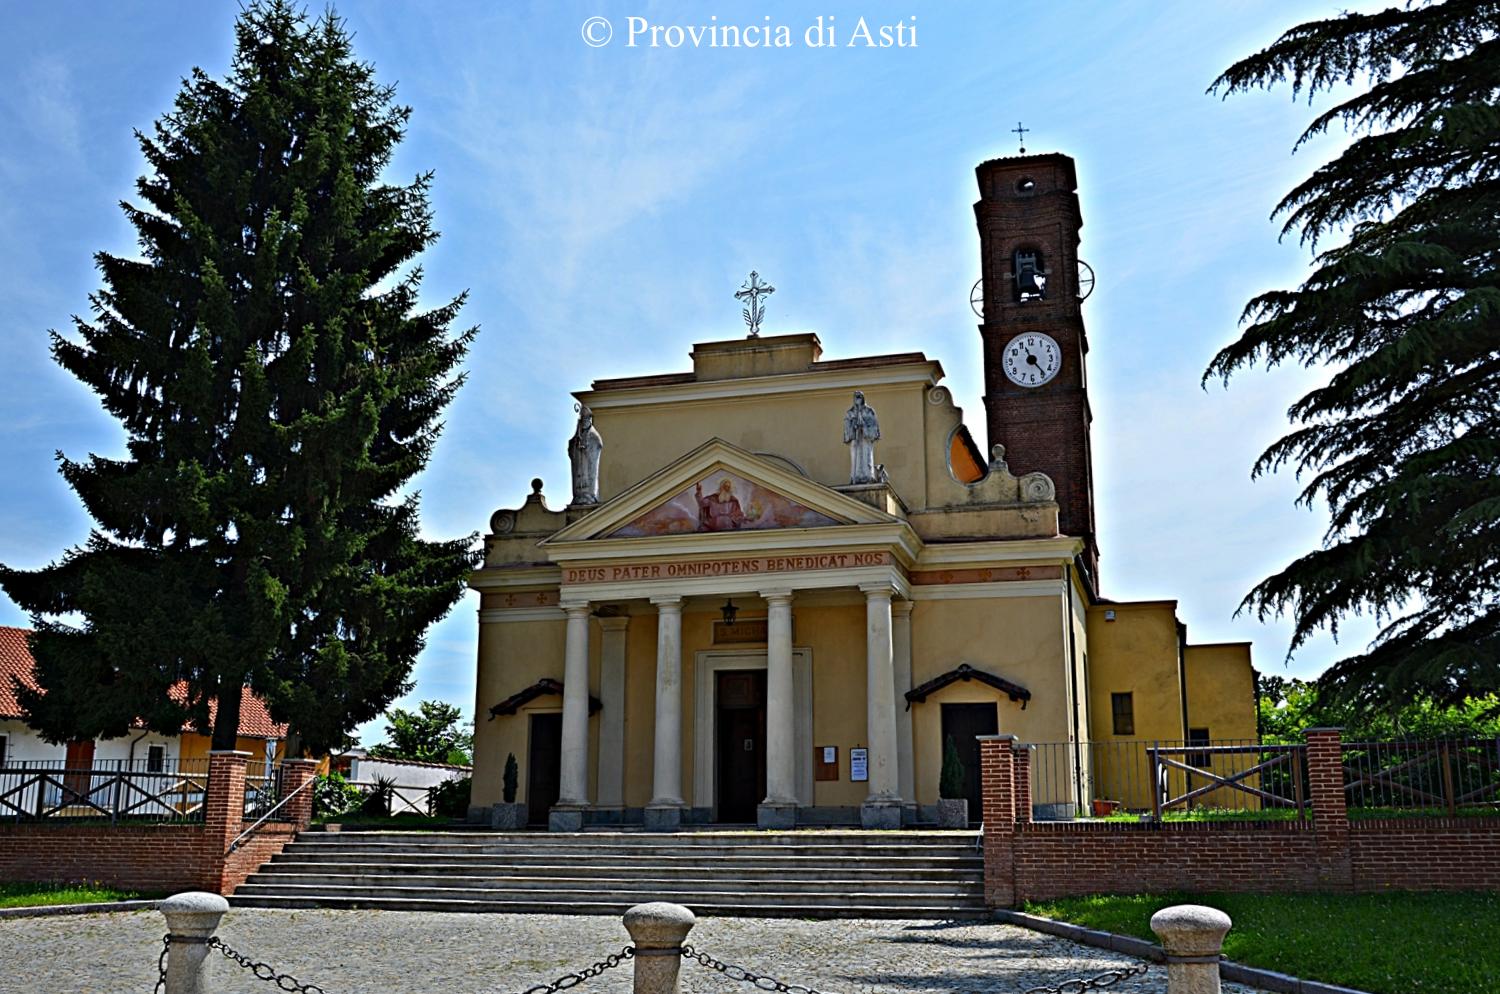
point(1035, 383)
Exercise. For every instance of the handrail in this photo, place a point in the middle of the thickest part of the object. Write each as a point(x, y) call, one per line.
point(274, 808)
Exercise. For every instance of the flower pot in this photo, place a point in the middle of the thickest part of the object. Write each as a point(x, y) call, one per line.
point(507, 817)
point(953, 813)
point(1103, 809)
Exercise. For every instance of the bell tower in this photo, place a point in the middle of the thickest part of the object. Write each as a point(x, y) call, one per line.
point(1035, 383)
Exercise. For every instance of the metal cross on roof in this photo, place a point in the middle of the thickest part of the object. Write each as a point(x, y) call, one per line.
point(751, 293)
point(1020, 134)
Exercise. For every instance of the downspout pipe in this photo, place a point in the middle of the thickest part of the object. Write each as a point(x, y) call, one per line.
point(1073, 680)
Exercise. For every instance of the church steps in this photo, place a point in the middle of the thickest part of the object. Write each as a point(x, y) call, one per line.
point(833, 874)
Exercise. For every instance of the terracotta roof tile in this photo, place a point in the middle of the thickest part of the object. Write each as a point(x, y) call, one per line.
point(16, 664)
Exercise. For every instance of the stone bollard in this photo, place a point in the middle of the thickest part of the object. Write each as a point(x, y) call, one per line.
point(658, 930)
point(191, 921)
point(1192, 937)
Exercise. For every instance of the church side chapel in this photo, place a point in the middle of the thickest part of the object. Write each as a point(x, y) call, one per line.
point(782, 582)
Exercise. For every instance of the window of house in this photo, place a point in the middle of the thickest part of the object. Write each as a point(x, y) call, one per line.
point(1123, 707)
point(156, 758)
point(1199, 737)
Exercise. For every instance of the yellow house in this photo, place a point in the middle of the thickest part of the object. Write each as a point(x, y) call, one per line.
point(782, 582)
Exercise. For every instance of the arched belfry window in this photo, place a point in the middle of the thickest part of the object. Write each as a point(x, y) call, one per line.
point(1031, 275)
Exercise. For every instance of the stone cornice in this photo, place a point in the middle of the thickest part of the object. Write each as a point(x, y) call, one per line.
point(925, 371)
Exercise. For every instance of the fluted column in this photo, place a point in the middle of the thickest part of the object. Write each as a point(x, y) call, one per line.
point(779, 809)
point(882, 807)
point(573, 777)
point(665, 810)
point(901, 667)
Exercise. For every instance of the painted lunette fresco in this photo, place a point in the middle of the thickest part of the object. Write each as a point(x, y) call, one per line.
point(723, 502)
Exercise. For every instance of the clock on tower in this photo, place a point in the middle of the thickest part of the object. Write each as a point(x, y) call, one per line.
point(1035, 387)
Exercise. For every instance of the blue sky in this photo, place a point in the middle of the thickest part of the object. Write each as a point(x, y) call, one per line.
point(603, 204)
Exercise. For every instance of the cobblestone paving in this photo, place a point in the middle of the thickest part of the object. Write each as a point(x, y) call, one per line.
point(390, 952)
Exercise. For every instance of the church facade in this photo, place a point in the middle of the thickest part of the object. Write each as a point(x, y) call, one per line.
point(782, 582)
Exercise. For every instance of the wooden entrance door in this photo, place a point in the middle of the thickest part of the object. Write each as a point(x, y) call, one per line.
point(543, 766)
point(740, 720)
point(77, 763)
point(965, 722)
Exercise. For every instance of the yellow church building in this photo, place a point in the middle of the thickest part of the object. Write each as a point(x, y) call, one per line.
point(782, 582)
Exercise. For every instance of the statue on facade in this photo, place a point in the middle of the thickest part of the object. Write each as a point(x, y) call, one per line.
point(584, 449)
point(861, 432)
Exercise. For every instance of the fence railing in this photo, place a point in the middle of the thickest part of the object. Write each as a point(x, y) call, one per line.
point(1441, 776)
point(1230, 777)
point(399, 800)
point(262, 792)
point(114, 790)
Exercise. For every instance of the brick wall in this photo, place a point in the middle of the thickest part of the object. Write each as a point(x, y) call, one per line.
point(1041, 860)
point(165, 857)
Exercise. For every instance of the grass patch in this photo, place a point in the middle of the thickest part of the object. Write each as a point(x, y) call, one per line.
point(1392, 943)
point(1210, 814)
point(28, 894)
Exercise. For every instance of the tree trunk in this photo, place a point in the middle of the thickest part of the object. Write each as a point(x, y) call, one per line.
point(227, 717)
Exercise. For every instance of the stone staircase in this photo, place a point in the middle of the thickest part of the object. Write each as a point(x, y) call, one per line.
point(815, 874)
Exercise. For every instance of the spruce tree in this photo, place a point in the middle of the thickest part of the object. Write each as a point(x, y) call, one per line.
point(1403, 441)
point(279, 387)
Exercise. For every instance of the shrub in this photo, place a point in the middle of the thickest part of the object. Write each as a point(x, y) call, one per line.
point(511, 779)
point(333, 795)
point(951, 784)
point(450, 799)
point(377, 800)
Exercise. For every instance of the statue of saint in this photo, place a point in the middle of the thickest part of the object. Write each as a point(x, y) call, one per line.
point(583, 451)
point(861, 432)
point(719, 512)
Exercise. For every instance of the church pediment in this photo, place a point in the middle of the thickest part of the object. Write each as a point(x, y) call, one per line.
point(719, 488)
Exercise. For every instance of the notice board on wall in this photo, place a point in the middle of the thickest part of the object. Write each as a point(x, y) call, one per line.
point(825, 762)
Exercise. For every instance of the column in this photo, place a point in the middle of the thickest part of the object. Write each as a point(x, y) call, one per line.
point(664, 813)
point(882, 808)
point(906, 771)
point(573, 785)
point(611, 764)
point(779, 809)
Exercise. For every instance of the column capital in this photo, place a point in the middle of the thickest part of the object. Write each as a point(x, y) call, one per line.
point(572, 608)
point(614, 622)
point(878, 591)
point(901, 608)
point(668, 602)
point(781, 594)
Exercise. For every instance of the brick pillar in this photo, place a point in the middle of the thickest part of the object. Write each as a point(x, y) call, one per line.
point(1325, 789)
point(295, 773)
point(1022, 759)
point(223, 812)
point(997, 770)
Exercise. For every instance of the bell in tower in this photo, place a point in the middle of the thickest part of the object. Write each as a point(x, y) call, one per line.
point(1031, 281)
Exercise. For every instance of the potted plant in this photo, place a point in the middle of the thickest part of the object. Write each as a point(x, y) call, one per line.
point(953, 803)
point(507, 815)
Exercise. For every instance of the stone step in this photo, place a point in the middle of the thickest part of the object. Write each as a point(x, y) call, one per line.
point(738, 860)
point(619, 898)
point(668, 839)
point(592, 869)
point(694, 852)
point(743, 908)
point(644, 883)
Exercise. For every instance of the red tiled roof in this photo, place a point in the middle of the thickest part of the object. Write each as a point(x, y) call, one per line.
point(16, 664)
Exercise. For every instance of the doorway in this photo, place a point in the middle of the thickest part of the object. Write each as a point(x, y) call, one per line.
point(964, 723)
point(543, 766)
point(740, 701)
point(78, 763)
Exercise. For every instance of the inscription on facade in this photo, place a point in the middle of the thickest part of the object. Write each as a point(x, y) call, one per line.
point(724, 567)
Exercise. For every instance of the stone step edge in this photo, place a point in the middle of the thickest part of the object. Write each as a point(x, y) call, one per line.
point(98, 907)
point(1235, 973)
point(742, 852)
point(677, 883)
point(960, 912)
point(394, 893)
point(747, 873)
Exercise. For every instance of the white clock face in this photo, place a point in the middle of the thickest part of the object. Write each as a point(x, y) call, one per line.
point(1031, 359)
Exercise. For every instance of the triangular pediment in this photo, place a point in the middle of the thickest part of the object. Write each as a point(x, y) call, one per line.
point(719, 488)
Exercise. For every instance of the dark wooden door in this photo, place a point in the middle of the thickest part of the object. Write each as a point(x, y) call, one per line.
point(543, 766)
point(741, 724)
point(77, 762)
point(964, 722)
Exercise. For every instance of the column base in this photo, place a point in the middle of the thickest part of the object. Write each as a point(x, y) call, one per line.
point(566, 818)
point(880, 813)
point(911, 814)
point(776, 814)
point(663, 817)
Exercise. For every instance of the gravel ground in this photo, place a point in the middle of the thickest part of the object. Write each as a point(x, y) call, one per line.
point(392, 952)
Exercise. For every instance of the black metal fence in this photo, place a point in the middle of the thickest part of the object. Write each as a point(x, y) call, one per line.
point(141, 790)
point(1436, 776)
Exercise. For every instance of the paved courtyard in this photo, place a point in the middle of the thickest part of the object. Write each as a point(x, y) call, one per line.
point(388, 952)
